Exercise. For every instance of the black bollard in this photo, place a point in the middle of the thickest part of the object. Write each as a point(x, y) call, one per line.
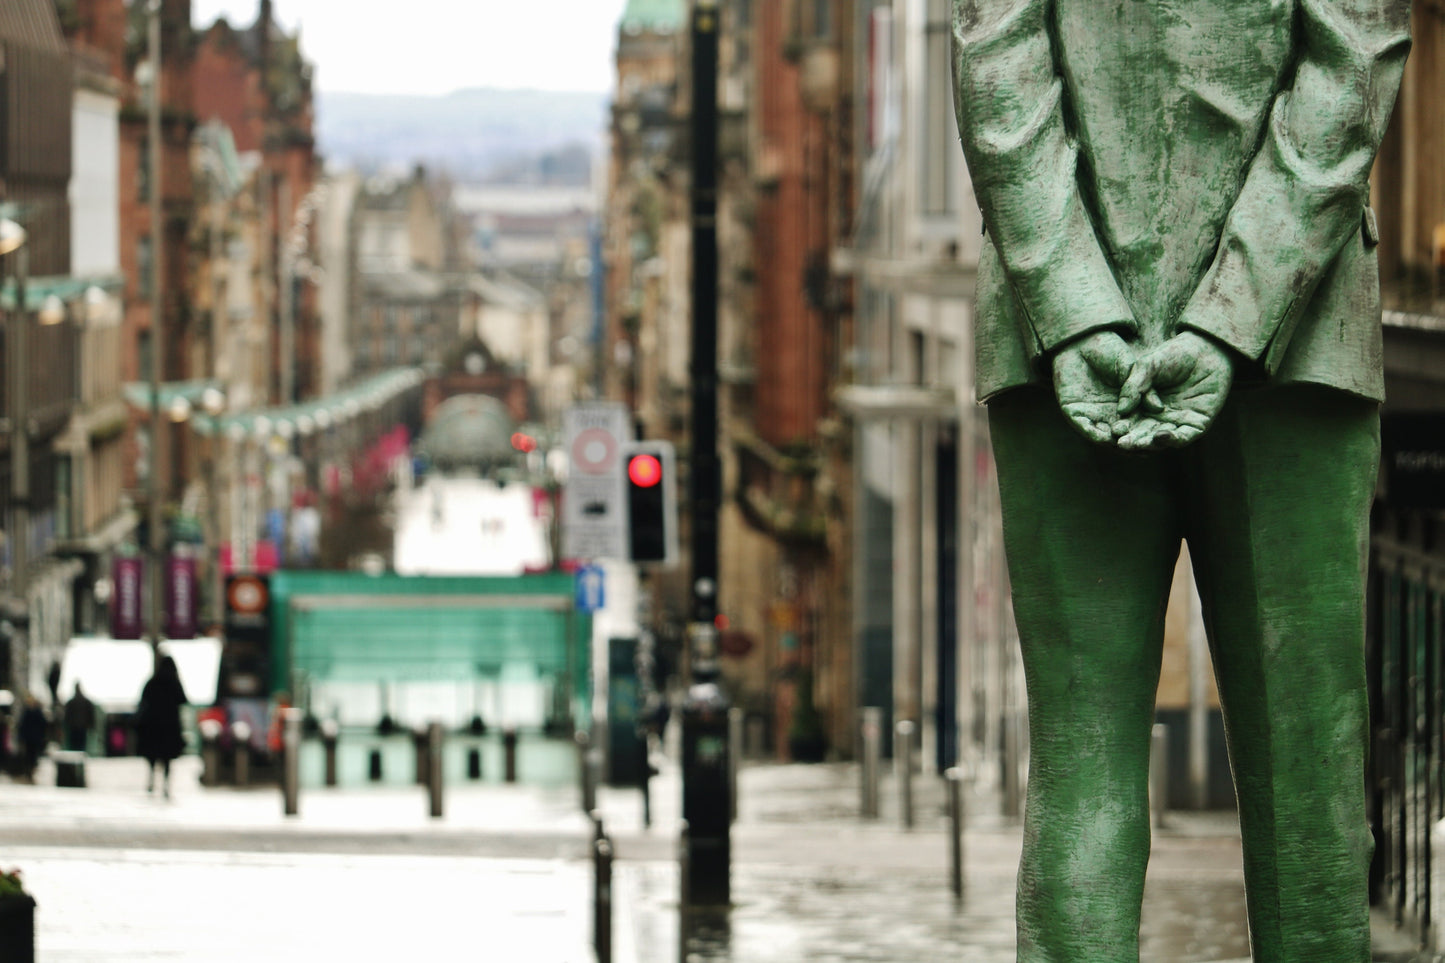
point(434, 769)
point(584, 770)
point(602, 899)
point(329, 732)
point(474, 763)
point(210, 752)
point(241, 746)
point(684, 868)
point(509, 755)
point(419, 743)
point(374, 767)
point(954, 779)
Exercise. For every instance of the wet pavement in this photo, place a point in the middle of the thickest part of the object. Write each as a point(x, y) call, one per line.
point(365, 874)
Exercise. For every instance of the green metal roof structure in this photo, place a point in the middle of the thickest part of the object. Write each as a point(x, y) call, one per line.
point(658, 16)
point(354, 627)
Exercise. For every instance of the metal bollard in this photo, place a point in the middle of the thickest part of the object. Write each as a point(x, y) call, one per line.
point(291, 760)
point(584, 770)
point(210, 752)
point(509, 755)
point(241, 746)
point(954, 779)
point(903, 767)
point(418, 742)
point(474, 763)
point(872, 755)
point(329, 732)
point(434, 768)
point(1158, 773)
point(735, 752)
point(602, 899)
point(684, 894)
point(373, 765)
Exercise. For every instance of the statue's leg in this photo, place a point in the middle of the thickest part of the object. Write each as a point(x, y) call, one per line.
point(1285, 481)
point(1091, 536)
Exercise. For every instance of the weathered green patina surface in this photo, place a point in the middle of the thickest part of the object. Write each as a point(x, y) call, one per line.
point(1176, 199)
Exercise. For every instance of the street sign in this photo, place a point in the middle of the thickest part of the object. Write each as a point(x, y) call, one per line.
point(594, 516)
point(591, 589)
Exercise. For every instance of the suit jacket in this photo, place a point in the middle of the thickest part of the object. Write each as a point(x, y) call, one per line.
point(1150, 166)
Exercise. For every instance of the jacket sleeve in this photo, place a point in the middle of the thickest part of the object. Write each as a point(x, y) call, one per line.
point(1307, 188)
point(1009, 101)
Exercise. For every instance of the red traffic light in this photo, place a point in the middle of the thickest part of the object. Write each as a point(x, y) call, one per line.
point(524, 443)
point(644, 471)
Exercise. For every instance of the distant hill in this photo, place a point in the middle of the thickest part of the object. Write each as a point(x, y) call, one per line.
point(475, 134)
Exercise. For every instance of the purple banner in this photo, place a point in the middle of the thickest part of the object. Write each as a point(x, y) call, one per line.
point(126, 621)
point(180, 597)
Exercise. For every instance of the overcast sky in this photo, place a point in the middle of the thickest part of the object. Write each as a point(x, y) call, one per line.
point(437, 46)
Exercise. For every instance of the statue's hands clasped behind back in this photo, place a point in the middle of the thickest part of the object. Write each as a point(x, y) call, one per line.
point(1164, 397)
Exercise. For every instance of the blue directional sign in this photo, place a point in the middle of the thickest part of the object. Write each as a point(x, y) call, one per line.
point(591, 593)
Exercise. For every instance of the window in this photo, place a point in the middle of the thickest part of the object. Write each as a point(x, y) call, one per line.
point(938, 144)
point(144, 266)
point(822, 18)
point(143, 349)
point(64, 524)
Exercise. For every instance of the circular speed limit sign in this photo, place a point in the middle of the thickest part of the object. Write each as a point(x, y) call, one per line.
point(594, 451)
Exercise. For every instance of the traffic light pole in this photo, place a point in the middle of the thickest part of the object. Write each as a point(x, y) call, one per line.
point(706, 794)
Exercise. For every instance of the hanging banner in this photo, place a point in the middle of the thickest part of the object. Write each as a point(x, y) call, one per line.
point(125, 602)
point(181, 597)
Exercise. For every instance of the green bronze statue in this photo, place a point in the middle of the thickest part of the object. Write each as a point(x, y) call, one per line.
point(1178, 337)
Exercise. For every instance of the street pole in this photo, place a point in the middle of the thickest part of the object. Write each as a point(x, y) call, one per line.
point(287, 299)
point(153, 485)
point(706, 794)
point(18, 355)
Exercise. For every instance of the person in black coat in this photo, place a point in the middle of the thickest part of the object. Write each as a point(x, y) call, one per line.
point(32, 731)
point(158, 722)
point(79, 719)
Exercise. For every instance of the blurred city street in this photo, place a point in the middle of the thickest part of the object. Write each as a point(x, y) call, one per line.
point(364, 874)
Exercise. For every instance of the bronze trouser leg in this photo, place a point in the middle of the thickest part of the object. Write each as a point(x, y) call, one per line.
point(1274, 500)
point(1284, 600)
point(1092, 537)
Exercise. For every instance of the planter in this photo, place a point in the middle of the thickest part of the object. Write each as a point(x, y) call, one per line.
point(17, 928)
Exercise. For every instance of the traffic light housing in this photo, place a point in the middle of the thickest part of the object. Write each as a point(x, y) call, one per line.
point(651, 479)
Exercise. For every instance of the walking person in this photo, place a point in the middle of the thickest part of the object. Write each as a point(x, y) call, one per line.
point(32, 731)
point(158, 723)
point(79, 720)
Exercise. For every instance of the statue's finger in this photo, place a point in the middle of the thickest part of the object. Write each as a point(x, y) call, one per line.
point(1134, 387)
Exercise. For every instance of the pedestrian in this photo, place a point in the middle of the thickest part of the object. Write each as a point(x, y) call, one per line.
point(79, 719)
point(33, 725)
point(158, 722)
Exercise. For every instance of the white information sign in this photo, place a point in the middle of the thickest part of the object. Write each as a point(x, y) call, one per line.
point(594, 520)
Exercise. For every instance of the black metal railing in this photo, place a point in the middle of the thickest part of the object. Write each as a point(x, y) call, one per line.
point(1407, 691)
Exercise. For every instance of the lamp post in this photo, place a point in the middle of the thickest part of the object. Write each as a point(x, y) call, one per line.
point(12, 241)
point(155, 538)
point(213, 402)
point(706, 797)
